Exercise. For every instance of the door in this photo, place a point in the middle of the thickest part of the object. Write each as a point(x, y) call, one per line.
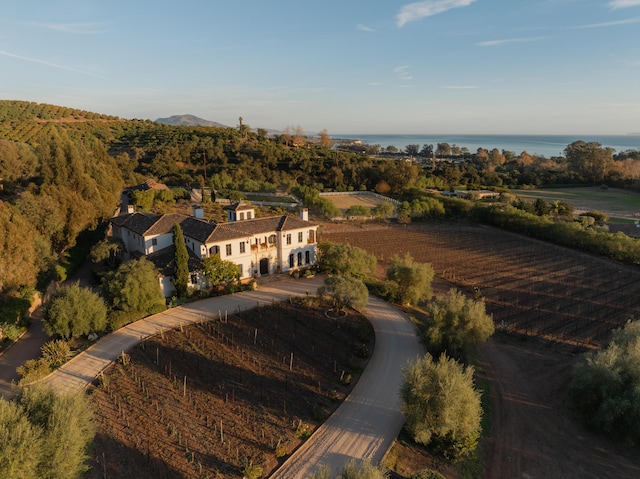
point(264, 266)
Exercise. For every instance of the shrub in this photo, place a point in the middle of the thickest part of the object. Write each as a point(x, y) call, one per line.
point(117, 318)
point(32, 370)
point(442, 406)
point(56, 352)
point(347, 291)
point(10, 331)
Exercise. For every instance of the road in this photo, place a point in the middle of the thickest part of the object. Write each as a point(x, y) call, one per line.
point(363, 427)
point(366, 424)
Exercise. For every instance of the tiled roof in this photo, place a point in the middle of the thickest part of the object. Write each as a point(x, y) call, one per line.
point(165, 224)
point(204, 231)
point(165, 260)
point(137, 222)
point(237, 206)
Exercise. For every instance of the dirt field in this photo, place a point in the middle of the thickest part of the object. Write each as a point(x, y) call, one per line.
point(346, 201)
point(255, 386)
point(553, 304)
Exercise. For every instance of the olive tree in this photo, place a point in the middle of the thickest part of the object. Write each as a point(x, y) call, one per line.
point(606, 385)
point(456, 323)
point(409, 282)
point(336, 258)
point(74, 311)
point(441, 405)
point(347, 292)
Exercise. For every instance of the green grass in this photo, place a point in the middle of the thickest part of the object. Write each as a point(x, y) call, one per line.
point(613, 201)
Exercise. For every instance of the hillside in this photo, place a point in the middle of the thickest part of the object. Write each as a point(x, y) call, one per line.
point(189, 120)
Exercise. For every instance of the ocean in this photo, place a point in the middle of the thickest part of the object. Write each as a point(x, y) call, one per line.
point(541, 145)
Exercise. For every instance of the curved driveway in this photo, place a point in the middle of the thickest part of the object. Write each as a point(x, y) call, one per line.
point(363, 427)
point(369, 420)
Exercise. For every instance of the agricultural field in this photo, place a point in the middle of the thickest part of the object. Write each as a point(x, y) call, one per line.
point(550, 304)
point(346, 201)
point(612, 201)
point(208, 400)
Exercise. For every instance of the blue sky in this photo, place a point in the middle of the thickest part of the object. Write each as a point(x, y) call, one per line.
point(350, 66)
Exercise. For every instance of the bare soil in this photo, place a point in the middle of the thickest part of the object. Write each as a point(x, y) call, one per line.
point(210, 399)
point(553, 304)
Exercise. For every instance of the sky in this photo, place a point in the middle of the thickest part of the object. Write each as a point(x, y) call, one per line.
point(348, 66)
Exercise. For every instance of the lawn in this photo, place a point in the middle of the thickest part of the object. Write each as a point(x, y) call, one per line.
point(613, 201)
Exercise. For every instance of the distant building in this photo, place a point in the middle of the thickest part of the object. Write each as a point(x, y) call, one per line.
point(258, 246)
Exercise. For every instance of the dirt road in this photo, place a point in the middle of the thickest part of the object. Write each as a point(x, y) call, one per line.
point(367, 423)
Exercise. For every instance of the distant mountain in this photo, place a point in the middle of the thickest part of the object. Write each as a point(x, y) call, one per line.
point(188, 120)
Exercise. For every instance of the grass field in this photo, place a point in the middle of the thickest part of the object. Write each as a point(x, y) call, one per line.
point(613, 201)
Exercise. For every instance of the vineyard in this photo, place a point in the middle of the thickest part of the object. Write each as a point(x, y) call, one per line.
point(212, 399)
point(530, 287)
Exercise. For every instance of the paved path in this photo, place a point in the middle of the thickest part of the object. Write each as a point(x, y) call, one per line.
point(78, 373)
point(363, 427)
point(27, 347)
point(369, 420)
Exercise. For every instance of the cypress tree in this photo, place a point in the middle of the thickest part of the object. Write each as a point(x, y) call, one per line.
point(181, 274)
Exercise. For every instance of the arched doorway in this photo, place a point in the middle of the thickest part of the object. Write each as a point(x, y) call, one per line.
point(264, 266)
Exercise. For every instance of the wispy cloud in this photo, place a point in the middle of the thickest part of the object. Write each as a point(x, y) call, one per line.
point(460, 87)
point(364, 28)
point(494, 43)
point(75, 28)
point(46, 63)
point(615, 4)
point(427, 8)
point(626, 21)
point(403, 72)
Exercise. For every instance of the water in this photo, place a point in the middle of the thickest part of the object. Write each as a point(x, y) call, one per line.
point(541, 145)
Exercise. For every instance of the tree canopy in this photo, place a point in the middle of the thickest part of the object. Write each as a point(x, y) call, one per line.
point(606, 386)
point(408, 281)
point(441, 405)
point(347, 292)
point(134, 286)
point(74, 311)
point(344, 259)
point(219, 271)
point(43, 435)
point(456, 323)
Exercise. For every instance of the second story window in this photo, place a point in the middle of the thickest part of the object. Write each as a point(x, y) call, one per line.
point(289, 238)
point(228, 248)
point(300, 237)
point(242, 247)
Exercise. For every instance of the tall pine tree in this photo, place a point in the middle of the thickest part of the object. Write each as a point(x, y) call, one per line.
point(181, 274)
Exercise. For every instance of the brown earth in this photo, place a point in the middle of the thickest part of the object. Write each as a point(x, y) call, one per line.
point(207, 400)
point(553, 304)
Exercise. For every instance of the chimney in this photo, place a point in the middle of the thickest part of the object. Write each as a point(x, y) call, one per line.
point(198, 212)
point(131, 209)
point(304, 214)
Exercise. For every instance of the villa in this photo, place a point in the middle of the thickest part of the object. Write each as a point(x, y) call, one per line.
point(258, 246)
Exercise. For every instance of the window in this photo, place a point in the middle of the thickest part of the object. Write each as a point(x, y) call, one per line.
point(214, 250)
point(194, 278)
point(299, 259)
point(242, 247)
point(291, 261)
point(300, 237)
point(239, 265)
point(248, 215)
point(311, 238)
point(307, 257)
point(241, 216)
point(154, 241)
point(289, 238)
point(272, 239)
point(228, 248)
